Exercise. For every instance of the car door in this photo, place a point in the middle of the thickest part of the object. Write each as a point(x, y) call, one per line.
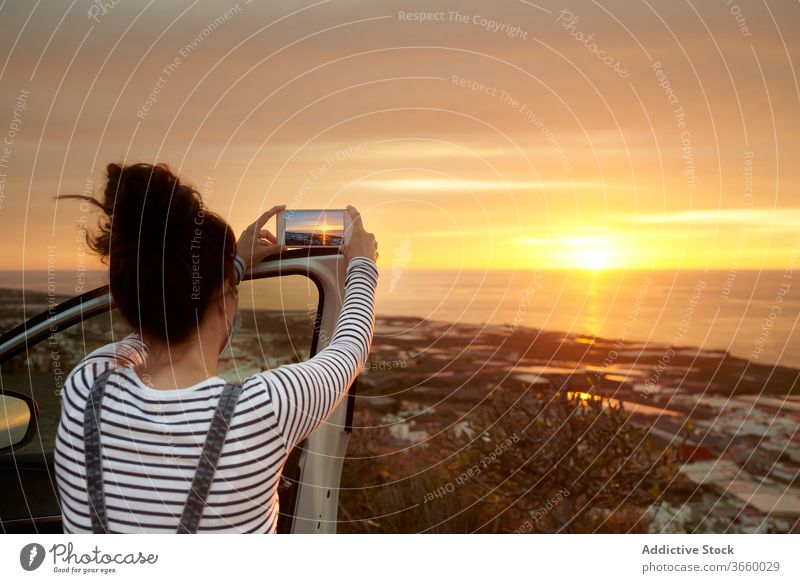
point(289, 309)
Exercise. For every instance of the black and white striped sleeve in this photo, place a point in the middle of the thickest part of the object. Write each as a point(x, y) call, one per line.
point(304, 394)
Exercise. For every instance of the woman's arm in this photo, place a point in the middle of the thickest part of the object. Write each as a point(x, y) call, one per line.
point(303, 395)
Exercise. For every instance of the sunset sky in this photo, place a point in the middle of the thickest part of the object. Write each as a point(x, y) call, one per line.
point(484, 135)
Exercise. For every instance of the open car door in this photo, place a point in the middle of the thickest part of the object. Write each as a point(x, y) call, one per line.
point(289, 306)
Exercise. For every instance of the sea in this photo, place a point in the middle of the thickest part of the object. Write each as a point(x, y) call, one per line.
point(751, 314)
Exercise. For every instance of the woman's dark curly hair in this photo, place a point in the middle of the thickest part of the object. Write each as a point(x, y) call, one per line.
point(168, 255)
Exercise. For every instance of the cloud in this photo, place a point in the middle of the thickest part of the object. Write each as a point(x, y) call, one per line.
point(771, 218)
point(469, 185)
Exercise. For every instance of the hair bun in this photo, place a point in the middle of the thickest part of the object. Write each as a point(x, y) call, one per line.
point(144, 197)
point(163, 276)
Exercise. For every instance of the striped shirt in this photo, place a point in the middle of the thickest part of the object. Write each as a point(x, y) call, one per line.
point(152, 438)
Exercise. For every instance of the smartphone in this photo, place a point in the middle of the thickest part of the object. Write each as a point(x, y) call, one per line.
point(313, 227)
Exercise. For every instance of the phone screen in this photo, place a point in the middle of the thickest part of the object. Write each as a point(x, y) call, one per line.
point(314, 227)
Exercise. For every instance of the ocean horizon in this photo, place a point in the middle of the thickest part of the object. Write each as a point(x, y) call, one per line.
point(752, 314)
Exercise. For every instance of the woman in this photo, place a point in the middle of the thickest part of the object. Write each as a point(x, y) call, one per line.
point(150, 438)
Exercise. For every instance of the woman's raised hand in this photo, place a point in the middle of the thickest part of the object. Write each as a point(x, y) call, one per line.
point(256, 243)
point(362, 243)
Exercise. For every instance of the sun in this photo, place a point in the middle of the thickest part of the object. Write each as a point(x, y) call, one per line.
point(587, 252)
point(592, 259)
point(592, 253)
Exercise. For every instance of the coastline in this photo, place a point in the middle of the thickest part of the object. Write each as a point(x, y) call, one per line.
point(741, 460)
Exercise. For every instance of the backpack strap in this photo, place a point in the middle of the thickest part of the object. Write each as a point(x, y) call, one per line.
point(204, 476)
point(92, 455)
